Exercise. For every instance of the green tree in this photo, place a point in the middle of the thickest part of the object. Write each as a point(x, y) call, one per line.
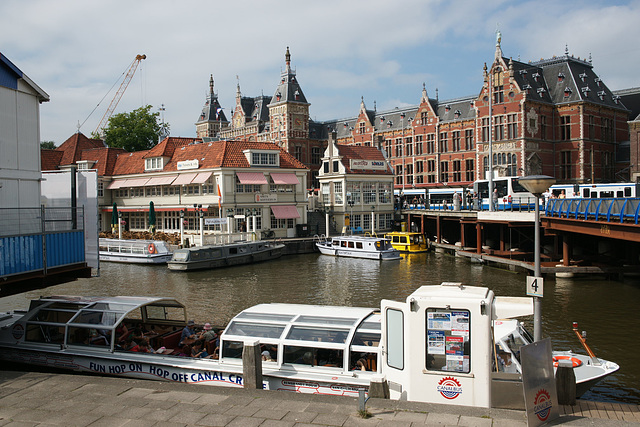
point(135, 131)
point(47, 145)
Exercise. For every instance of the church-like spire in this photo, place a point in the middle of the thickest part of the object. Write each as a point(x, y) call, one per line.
point(287, 59)
point(498, 42)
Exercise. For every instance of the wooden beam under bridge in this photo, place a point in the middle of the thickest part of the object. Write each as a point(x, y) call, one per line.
point(613, 230)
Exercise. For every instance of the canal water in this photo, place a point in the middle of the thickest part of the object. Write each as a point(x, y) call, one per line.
point(607, 310)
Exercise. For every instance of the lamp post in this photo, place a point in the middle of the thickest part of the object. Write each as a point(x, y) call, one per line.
point(182, 227)
point(402, 150)
point(373, 219)
point(254, 220)
point(350, 203)
point(536, 185)
point(327, 210)
point(120, 225)
point(198, 208)
point(229, 217)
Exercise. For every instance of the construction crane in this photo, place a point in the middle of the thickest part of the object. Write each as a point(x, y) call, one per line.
point(119, 93)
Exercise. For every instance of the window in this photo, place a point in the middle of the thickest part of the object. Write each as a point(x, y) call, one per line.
point(444, 171)
point(431, 169)
point(431, 145)
point(408, 150)
point(592, 127)
point(457, 172)
point(315, 155)
point(153, 163)
point(100, 189)
point(485, 130)
point(361, 128)
point(565, 165)
point(565, 128)
point(265, 158)
point(512, 126)
point(409, 173)
point(399, 147)
point(354, 189)
point(384, 193)
point(337, 193)
point(368, 193)
point(297, 152)
point(326, 193)
point(468, 139)
point(543, 127)
point(395, 338)
point(498, 128)
point(419, 166)
point(448, 340)
point(606, 129)
point(399, 175)
point(469, 170)
point(418, 145)
point(387, 147)
point(455, 139)
point(443, 143)
point(336, 166)
point(424, 117)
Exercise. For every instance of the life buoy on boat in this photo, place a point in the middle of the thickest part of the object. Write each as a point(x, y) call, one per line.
point(152, 248)
point(574, 360)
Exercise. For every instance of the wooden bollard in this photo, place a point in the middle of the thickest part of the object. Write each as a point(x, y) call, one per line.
point(251, 365)
point(566, 383)
point(378, 387)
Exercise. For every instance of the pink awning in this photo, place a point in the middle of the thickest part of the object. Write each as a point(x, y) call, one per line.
point(285, 178)
point(114, 185)
point(136, 182)
point(285, 212)
point(251, 178)
point(184, 179)
point(201, 178)
point(161, 180)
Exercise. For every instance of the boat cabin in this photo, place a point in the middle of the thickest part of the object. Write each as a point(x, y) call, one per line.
point(296, 337)
point(133, 247)
point(86, 321)
point(361, 243)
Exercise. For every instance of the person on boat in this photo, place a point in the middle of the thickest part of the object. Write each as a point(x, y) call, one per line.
point(188, 332)
point(198, 351)
point(121, 333)
point(143, 347)
point(361, 365)
point(266, 356)
point(208, 334)
point(185, 351)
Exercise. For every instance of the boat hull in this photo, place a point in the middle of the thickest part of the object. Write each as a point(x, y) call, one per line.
point(271, 253)
point(378, 255)
point(148, 259)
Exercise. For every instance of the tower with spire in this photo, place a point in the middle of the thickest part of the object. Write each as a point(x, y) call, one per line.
point(212, 119)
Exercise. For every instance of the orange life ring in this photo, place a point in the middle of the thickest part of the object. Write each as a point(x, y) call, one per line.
point(152, 248)
point(574, 360)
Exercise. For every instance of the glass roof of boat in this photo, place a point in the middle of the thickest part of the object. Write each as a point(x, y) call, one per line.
point(303, 322)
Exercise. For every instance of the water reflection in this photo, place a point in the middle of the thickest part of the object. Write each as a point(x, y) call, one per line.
point(606, 309)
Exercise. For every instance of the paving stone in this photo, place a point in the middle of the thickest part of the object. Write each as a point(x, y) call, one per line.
point(410, 417)
point(187, 417)
point(300, 417)
point(292, 406)
point(216, 420)
point(245, 422)
point(271, 414)
point(330, 419)
point(446, 419)
point(474, 421)
point(277, 423)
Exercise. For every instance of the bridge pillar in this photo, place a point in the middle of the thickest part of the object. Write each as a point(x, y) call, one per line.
point(438, 230)
point(478, 238)
point(566, 250)
point(462, 239)
point(502, 245)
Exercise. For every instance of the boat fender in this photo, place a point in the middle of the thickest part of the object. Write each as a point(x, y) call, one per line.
point(152, 248)
point(574, 361)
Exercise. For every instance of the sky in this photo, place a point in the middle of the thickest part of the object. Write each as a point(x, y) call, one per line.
point(343, 51)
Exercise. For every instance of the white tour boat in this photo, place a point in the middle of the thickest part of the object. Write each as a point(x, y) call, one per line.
point(224, 255)
point(436, 347)
point(359, 247)
point(134, 251)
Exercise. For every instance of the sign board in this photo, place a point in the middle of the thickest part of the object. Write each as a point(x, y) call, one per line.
point(539, 384)
point(535, 286)
point(266, 198)
point(368, 164)
point(187, 164)
point(215, 221)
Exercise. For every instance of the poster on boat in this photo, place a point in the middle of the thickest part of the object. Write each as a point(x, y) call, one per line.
point(435, 342)
point(439, 320)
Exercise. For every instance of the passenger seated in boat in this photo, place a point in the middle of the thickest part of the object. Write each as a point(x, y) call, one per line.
point(96, 338)
point(361, 365)
point(266, 356)
point(143, 347)
point(198, 351)
point(188, 332)
point(208, 334)
point(185, 351)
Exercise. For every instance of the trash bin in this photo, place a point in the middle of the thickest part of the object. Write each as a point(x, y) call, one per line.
point(302, 230)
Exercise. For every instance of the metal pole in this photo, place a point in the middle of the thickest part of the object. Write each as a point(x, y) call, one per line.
point(537, 301)
point(201, 228)
point(326, 222)
point(490, 135)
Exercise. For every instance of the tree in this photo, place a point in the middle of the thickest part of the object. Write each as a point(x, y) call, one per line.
point(135, 131)
point(47, 145)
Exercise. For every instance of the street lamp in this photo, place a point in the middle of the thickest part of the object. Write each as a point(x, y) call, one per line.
point(327, 210)
point(536, 185)
point(373, 219)
point(198, 208)
point(402, 150)
point(120, 225)
point(182, 226)
point(350, 203)
point(229, 216)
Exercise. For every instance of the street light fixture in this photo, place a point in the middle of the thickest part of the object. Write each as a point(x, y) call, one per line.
point(327, 210)
point(536, 185)
point(373, 219)
point(229, 216)
point(350, 203)
point(181, 227)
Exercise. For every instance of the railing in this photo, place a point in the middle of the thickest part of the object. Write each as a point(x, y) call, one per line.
point(37, 239)
point(515, 204)
point(609, 210)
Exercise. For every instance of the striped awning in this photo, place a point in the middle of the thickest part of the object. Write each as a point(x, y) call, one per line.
point(136, 182)
point(285, 178)
point(161, 180)
point(184, 179)
point(285, 212)
point(201, 178)
point(251, 178)
point(118, 183)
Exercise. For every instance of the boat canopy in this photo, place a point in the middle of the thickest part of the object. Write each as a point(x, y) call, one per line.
point(74, 320)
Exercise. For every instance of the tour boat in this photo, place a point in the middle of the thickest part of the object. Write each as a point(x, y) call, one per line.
point(437, 346)
point(224, 255)
point(359, 247)
point(407, 241)
point(134, 251)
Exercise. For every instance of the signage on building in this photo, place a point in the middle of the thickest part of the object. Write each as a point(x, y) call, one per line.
point(368, 164)
point(215, 221)
point(187, 164)
point(266, 198)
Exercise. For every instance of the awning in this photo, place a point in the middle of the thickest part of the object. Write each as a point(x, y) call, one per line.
point(201, 178)
point(285, 212)
point(185, 178)
point(136, 182)
point(156, 208)
point(251, 178)
point(285, 178)
point(161, 180)
point(114, 185)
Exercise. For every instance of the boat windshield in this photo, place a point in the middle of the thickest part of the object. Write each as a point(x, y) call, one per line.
point(180, 256)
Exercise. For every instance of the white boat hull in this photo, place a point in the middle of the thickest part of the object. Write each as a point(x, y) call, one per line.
point(133, 259)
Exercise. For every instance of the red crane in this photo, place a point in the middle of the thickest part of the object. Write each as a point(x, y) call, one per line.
point(119, 93)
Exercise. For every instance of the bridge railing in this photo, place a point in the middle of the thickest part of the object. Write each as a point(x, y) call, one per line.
point(609, 210)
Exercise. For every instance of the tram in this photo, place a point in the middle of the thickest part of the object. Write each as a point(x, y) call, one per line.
point(597, 191)
point(511, 194)
point(434, 198)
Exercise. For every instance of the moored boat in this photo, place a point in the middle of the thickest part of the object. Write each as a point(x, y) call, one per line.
point(134, 251)
point(224, 255)
point(437, 346)
point(378, 248)
point(408, 241)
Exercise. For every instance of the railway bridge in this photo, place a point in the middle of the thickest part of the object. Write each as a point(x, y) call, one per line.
point(579, 236)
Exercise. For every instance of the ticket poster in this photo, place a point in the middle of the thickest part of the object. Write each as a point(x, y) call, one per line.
point(436, 342)
point(439, 320)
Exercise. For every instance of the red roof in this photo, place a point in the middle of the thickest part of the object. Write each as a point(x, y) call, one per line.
point(50, 159)
point(360, 152)
point(74, 146)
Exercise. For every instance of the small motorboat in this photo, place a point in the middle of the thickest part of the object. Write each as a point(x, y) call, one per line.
point(408, 241)
point(134, 251)
point(378, 248)
point(225, 255)
point(511, 334)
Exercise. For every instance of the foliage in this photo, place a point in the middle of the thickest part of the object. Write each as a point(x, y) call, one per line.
point(47, 145)
point(135, 131)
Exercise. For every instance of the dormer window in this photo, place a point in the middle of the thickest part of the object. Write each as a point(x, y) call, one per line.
point(602, 94)
point(153, 164)
point(585, 90)
point(527, 88)
point(535, 76)
point(263, 157)
point(457, 114)
point(278, 96)
point(561, 77)
point(583, 76)
point(297, 94)
point(382, 119)
point(84, 164)
point(598, 81)
point(541, 91)
point(567, 91)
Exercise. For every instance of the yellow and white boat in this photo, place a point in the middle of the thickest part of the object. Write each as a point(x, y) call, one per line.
point(407, 241)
